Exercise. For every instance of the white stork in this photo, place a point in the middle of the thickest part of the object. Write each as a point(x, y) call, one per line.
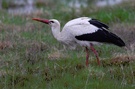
point(84, 31)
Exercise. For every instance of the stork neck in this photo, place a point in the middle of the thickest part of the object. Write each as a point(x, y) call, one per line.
point(56, 32)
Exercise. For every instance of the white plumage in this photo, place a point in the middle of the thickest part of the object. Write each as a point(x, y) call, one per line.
point(78, 27)
point(83, 31)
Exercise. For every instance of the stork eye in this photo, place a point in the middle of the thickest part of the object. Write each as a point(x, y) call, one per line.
point(52, 21)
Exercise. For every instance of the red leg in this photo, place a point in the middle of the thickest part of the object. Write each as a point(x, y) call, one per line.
point(95, 52)
point(87, 57)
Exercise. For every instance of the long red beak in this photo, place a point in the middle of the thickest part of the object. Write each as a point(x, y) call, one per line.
point(42, 20)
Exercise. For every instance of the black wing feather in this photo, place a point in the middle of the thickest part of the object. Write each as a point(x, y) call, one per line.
point(102, 36)
point(98, 23)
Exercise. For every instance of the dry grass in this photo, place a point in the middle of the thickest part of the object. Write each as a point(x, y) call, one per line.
point(55, 55)
point(122, 58)
point(5, 44)
point(119, 59)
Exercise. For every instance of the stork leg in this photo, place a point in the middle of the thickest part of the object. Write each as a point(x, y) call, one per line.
point(87, 56)
point(95, 52)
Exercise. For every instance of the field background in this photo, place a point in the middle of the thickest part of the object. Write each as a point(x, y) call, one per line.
point(30, 58)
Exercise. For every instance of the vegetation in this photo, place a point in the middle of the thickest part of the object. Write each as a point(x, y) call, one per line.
point(30, 58)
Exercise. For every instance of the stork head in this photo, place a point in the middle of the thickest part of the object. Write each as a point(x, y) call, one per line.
point(52, 22)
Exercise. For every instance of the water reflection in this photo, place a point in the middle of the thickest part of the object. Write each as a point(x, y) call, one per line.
point(108, 2)
point(27, 6)
point(0, 4)
point(77, 3)
point(101, 3)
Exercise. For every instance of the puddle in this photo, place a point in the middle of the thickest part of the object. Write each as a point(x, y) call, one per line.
point(77, 3)
point(0, 5)
point(24, 7)
point(28, 7)
point(98, 3)
point(103, 3)
point(22, 10)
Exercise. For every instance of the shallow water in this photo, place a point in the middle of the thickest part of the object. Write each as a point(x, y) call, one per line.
point(27, 6)
point(108, 2)
point(101, 3)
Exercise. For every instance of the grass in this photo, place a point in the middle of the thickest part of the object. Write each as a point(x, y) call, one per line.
point(30, 58)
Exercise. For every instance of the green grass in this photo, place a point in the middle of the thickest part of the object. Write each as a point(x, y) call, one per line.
point(30, 58)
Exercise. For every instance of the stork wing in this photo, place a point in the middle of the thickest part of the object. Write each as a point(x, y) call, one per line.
point(84, 25)
point(102, 36)
point(93, 30)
